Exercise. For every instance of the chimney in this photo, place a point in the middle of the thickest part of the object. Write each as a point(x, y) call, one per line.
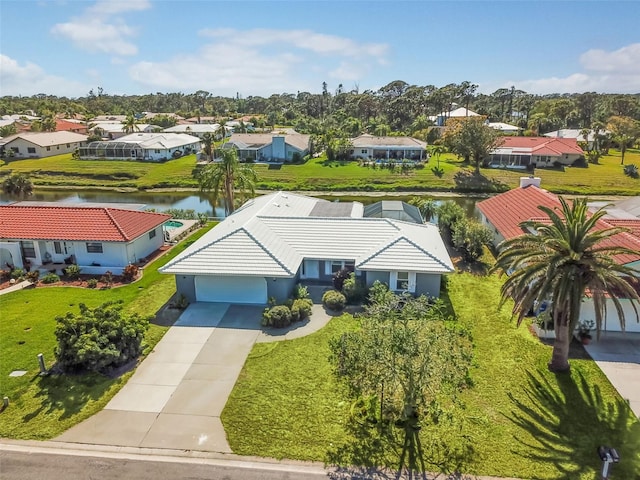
point(526, 181)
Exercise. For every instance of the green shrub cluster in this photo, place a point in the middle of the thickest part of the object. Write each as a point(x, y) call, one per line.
point(17, 273)
point(33, 275)
point(281, 316)
point(92, 283)
point(334, 300)
point(72, 271)
point(50, 278)
point(130, 272)
point(468, 236)
point(353, 289)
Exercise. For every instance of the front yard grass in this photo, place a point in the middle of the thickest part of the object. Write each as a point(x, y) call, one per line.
point(519, 419)
point(43, 407)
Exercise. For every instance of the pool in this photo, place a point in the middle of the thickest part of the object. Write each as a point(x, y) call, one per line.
point(171, 224)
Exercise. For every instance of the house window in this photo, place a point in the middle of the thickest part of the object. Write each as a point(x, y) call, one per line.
point(336, 265)
point(48, 149)
point(15, 149)
point(68, 145)
point(152, 234)
point(31, 149)
point(157, 151)
point(57, 247)
point(403, 281)
point(364, 150)
point(28, 249)
point(94, 247)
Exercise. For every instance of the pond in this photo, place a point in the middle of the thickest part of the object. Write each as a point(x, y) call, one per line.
point(200, 203)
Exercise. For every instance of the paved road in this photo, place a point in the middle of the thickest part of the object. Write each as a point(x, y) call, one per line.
point(37, 466)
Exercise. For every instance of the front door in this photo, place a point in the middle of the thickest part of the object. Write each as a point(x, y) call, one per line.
point(310, 269)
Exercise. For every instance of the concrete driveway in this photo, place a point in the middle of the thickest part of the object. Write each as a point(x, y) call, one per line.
point(175, 397)
point(618, 356)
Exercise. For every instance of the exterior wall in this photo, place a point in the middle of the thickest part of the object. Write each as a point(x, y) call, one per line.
point(291, 150)
point(280, 288)
point(10, 254)
point(23, 145)
point(565, 159)
point(167, 154)
point(143, 245)
point(428, 284)
point(368, 153)
point(278, 148)
point(186, 285)
point(497, 237)
point(371, 277)
point(587, 312)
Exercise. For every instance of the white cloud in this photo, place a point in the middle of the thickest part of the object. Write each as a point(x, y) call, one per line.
point(261, 62)
point(30, 79)
point(96, 31)
point(604, 71)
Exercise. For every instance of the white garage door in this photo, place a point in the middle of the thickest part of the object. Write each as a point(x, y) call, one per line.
point(231, 289)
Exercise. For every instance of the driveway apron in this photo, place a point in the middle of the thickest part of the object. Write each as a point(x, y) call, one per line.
point(175, 397)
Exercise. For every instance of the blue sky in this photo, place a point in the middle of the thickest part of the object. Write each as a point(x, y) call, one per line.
point(259, 48)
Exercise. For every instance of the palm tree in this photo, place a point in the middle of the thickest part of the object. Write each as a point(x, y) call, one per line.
point(130, 124)
point(17, 185)
point(560, 262)
point(227, 175)
point(207, 145)
point(436, 150)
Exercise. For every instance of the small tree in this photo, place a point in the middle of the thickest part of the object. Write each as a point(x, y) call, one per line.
point(470, 237)
point(98, 339)
point(471, 138)
point(449, 213)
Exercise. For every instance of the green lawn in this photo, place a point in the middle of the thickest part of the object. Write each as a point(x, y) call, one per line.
point(517, 420)
point(319, 174)
point(43, 407)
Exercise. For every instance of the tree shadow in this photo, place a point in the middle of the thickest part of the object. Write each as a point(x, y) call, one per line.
point(470, 181)
point(66, 395)
point(569, 419)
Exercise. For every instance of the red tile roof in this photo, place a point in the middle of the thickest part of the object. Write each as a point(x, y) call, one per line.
point(76, 223)
point(63, 125)
point(543, 145)
point(507, 210)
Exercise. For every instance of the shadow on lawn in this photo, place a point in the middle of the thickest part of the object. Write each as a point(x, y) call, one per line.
point(570, 420)
point(66, 395)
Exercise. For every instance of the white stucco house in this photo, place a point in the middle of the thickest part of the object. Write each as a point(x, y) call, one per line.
point(97, 239)
point(504, 213)
point(195, 129)
point(275, 241)
point(41, 144)
point(153, 147)
point(372, 147)
point(269, 147)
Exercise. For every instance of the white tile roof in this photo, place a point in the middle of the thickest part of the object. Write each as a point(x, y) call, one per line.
point(194, 128)
point(47, 139)
point(272, 234)
point(159, 141)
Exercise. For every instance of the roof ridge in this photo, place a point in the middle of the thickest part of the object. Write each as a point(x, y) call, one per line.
point(115, 222)
point(275, 259)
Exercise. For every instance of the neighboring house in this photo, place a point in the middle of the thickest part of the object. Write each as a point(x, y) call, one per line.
point(503, 213)
point(202, 119)
point(275, 241)
point(41, 144)
point(67, 126)
point(441, 119)
point(114, 130)
point(97, 239)
point(268, 147)
point(388, 148)
point(574, 134)
point(520, 152)
point(149, 116)
point(504, 127)
point(153, 147)
point(197, 129)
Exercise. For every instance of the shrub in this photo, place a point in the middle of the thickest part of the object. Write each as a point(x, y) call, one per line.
point(448, 214)
point(33, 275)
point(50, 278)
point(107, 279)
point(301, 308)
point(5, 275)
point(339, 277)
point(379, 293)
point(353, 289)
point(17, 273)
point(72, 271)
point(278, 316)
point(300, 291)
point(98, 339)
point(469, 237)
point(130, 272)
point(92, 283)
point(334, 300)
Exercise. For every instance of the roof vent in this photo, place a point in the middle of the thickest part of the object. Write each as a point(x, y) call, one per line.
point(276, 204)
point(526, 181)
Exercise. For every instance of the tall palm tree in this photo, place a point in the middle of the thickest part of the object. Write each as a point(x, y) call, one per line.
point(207, 145)
point(226, 176)
point(130, 124)
point(561, 262)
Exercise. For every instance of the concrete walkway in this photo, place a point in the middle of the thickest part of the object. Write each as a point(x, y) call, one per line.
point(618, 356)
point(16, 287)
point(175, 397)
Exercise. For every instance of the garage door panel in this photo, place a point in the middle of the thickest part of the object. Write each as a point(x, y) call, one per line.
point(231, 289)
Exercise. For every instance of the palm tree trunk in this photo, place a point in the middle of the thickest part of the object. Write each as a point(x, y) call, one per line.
point(229, 195)
point(560, 357)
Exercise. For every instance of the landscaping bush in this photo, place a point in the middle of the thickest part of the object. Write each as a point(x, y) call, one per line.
point(379, 293)
point(50, 278)
point(448, 214)
point(469, 237)
point(107, 279)
point(98, 339)
point(92, 283)
point(278, 316)
point(339, 277)
point(130, 272)
point(353, 289)
point(334, 300)
point(33, 275)
point(17, 273)
point(300, 291)
point(72, 271)
point(301, 309)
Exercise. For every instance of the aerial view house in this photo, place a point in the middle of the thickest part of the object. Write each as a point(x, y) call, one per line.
point(504, 213)
point(275, 241)
point(63, 125)
point(115, 130)
point(520, 152)
point(573, 133)
point(41, 144)
point(153, 147)
point(370, 147)
point(97, 239)
point(441, 119)
point(196, 129)
point(269, 147)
